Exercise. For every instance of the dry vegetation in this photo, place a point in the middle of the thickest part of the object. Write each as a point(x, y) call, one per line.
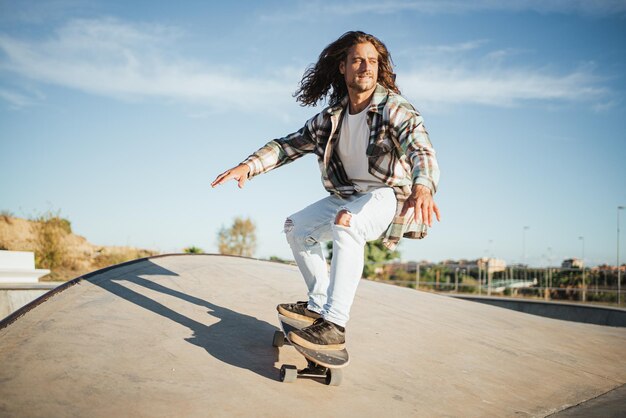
point(56, 248)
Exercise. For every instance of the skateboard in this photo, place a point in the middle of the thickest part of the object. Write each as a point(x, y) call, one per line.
point(326, 364)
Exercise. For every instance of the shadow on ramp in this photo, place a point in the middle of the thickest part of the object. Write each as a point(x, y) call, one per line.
point(240, 340)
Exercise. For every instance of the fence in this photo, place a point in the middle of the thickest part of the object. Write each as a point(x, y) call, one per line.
point(588, 285)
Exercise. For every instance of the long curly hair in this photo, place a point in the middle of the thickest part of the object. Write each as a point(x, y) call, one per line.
point(318, 79)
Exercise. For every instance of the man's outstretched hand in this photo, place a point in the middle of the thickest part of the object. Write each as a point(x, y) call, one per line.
point(421, 200)
point(239, 173)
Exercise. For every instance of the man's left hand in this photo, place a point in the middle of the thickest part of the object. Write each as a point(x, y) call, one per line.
point(421, 200)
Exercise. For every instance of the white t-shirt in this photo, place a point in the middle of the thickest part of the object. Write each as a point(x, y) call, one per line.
point(353, 141)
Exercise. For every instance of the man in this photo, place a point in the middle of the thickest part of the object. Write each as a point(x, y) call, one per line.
point(378, 164)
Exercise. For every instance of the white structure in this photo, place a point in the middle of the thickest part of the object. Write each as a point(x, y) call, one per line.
point(572, 263)
point(493, 265)
point(19, 267)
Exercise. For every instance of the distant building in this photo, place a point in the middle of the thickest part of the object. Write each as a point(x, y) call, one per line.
point(572, 263)
point(460, 264)
point(608, 268)
point(492, 265)
point(409, 266)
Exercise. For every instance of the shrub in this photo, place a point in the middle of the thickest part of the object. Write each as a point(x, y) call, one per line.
point(6, 216)
point(49, 232)
point(109, 257)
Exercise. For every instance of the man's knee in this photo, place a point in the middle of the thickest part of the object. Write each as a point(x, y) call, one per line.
point(343, 218)
point(288, 227)
point(296, 234)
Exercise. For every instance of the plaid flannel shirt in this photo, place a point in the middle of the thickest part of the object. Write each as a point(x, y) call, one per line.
point(399, 152)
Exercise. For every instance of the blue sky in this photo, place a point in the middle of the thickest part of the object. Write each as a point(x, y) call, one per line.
point(120, 114)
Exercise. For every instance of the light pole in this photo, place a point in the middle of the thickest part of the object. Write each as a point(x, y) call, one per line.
point(583, 267)
point(548, 291)
point(526, 228)
point(480, 277)
point(417, 275)
point(463, 273)
point(619, 272)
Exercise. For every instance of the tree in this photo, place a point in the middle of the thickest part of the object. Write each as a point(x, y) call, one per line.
point(193, 250)
point(239, 239)
point(376, 254)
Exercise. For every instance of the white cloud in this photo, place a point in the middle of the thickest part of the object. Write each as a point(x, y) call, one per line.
point(452, 48)
point(115, 59)
point(304, 10)
point(438, 86)
point(18, 100)
point(112, 58)
point(468, 73)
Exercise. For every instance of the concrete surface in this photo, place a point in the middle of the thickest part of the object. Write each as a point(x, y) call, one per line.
point(191, 336)
point(590, 314)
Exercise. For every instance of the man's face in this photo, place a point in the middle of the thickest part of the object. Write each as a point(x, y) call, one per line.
point(360, 69)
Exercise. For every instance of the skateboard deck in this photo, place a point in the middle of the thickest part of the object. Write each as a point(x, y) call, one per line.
point(321, 363)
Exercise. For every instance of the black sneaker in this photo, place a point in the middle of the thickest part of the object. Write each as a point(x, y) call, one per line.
point(321, 335)
point(298, 311)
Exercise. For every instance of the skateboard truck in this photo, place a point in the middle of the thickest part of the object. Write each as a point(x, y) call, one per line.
point(290, 373)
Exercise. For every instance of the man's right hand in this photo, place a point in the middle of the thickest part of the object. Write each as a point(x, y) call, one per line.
point(239, 173)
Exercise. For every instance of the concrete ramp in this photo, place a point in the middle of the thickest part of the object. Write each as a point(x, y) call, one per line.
point(191, 335)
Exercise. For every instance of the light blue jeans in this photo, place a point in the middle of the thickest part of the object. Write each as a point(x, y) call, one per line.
point(332, 294)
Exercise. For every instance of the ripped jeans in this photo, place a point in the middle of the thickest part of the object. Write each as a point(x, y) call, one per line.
point(332, 294)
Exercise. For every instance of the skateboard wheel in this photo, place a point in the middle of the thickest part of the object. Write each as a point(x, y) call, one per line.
point(334, 377)
point(279, 339)
point(288, 373)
